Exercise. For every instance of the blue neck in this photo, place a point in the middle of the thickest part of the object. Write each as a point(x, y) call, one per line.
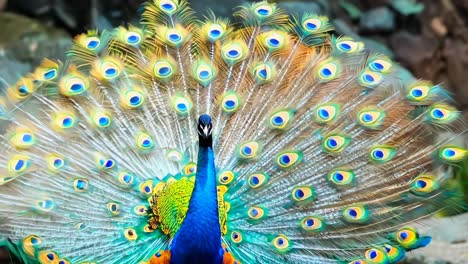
point(199, 237)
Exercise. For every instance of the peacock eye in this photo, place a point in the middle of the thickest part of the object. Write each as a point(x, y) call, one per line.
point(375, 255)
point(236, 237)
point(226, 177)
point(282, 243)
point(130, 234)
point(328, 70)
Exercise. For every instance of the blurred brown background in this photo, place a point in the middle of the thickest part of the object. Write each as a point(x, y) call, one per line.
point(427, 37)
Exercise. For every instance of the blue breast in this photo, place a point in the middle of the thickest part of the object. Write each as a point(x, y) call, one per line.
point(199, 237)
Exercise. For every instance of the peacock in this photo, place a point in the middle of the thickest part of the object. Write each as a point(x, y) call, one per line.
point(185, 140)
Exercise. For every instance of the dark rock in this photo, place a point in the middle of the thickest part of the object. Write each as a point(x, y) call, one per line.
point(29, 7)
point(299, 8)
point(416, 52)
point(28, 40)
point(369, 4)
point(10, 70)
point(378, 20)
point(456, 55)
point(223, 9)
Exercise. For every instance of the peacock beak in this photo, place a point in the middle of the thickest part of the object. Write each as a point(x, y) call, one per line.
point(206, 131)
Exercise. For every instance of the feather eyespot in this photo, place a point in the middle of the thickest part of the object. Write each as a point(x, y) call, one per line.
point(133, 38)
point(281, 119)
point(168, 6)
point(174, 37)
point(234, 51)
point(263, 10)
point(452, 153)
point(274, 40)
point(313, 24)
point(130, 234)
point(256, 213)
point(216, 32)
point(18, 164)
point(257, 180)
point(328, 70)
point(204, 73)
point(349, 46)
point(140, 210)
point(442, 114)
point(92, 43)
point(144, 142)
point(420, 91)
point(55, 163)
point(103, 162)
point(146, 188)
point(370, 79)
point(313, 223)
point(371, 117)
point(23, 138)
point(107, 69)
point(382, 154)
point(288, 159)
point(164, 69)
point(182, 105)
point(126, 179)
point(73, 84)
point(50, 74)
point(341, 177)
point(394, 254)
point(226, 177)
point(249, 150)
point(30, 244)
point(302, 194)
point(113, 208)
point(380, 64)
point(236, 237)
point(190, 168)
point(359, 261)
point(47, 71)
point(81, 185)
point(424, 184)
point(281, 243)
point(356, 214)
point(45, 205)
point(376, 256)
point(407, 237)
point(101, 119)
point(326, 113)
point(132, 99)
point(110, 70)
point(230, 102)
point(263, 72)
point(335, 143)
point(63, 120)
point(47, 257)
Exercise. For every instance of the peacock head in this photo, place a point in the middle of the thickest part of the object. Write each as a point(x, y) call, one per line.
point(204, 127)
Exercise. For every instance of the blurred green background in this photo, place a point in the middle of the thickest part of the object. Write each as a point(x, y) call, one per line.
point(429, 38)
